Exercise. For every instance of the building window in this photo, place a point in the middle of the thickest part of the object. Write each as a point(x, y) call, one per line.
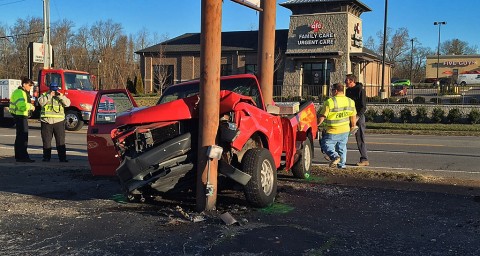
point(250, 68)
point(226, 69)
point(162, 77)
point(316, 73)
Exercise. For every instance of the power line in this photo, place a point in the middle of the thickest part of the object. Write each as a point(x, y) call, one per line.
point(12, 2)
point(18, 35)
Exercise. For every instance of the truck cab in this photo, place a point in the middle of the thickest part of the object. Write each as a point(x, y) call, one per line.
point(77, 86)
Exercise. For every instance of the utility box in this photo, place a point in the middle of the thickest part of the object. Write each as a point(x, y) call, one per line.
point(7, 86)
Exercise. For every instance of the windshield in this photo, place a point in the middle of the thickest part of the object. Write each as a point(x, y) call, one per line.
point(75, 81)
point(243, 86)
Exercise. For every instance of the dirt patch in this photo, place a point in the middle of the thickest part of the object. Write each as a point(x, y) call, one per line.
point(334, 212)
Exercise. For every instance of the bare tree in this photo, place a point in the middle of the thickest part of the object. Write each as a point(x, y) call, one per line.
point(23, 32)
point(457, 47)
point(370, 44)
point(105, 35)
point(162, 72)
point(62, 36)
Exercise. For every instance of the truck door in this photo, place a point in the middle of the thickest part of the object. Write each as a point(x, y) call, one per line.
point(107, 106)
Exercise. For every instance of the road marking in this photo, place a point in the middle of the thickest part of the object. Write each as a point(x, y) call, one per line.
point(404, 144)
point(423, 170)
point(404, 169)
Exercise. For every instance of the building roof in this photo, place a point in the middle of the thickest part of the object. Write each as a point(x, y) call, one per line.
point(241, 41)
point(231, 41)
point(323, 5)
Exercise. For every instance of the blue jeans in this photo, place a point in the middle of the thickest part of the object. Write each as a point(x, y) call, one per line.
point(335, 145)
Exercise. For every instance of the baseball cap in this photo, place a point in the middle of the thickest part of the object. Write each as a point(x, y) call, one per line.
point(54, 86)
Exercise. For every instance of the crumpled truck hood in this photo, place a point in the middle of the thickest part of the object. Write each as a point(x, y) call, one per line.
point(180, 109)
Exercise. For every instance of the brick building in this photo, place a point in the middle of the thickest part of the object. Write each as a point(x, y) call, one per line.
point(452, 65)
point(322, 45)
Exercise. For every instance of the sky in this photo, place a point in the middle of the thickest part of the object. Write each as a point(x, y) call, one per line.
point(176, 17)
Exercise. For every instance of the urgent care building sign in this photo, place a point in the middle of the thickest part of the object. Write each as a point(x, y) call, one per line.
point(316, 36)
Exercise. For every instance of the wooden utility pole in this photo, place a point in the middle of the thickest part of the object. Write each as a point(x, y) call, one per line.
point(266, 49)
point(210, 54)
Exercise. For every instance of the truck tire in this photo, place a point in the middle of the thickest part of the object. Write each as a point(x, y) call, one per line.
point(261, 190)
point(73, 120)
point(301, 169)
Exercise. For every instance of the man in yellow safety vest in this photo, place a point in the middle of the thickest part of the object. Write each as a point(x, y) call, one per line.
point(339, 115)
point(21, 108)
point(52, 119)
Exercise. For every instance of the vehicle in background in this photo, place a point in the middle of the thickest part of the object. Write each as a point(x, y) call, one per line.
point(447, 81)
point(154, 150)
point(399, 90)
point(404, 82)
point(464, 79)
point(77, 86)
point(7, 86)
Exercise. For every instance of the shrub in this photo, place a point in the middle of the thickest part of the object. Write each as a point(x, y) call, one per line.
point(406, 115)
point(310, 98)
point(438, 115)
point(374, 99)
point(371, 115)
point(388, 115)
point(403, 100)
point(279, 99)
point(436, 100)
point(421, 115)
point(454, 116)
point(474, 116)
point(296, 99)
point(419, 100)
point(456, 100)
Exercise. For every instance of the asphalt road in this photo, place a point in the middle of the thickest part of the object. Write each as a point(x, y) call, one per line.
point(445, 156)
point(60, 209)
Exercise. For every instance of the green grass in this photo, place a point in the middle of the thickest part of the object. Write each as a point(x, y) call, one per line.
point(426, 129)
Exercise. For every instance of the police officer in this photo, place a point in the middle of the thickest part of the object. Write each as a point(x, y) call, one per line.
point(21, 108)
point(52, 119)
point(339, 114)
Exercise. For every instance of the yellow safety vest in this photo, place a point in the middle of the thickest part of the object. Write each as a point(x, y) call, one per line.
point(53, 108)
point(20, 104)
point(341, 108)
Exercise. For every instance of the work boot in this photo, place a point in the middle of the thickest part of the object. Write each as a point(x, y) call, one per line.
point(62, 153)
point(363, 162)
point(334, 162)
point(47, 154)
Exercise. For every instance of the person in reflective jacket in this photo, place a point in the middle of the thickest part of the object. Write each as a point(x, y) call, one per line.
point(339, 115)
point(21, 108)
point(52, 119)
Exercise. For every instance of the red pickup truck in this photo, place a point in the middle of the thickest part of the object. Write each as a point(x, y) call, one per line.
point(153, 150)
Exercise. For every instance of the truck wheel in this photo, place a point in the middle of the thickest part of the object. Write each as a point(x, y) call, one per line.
point(301, 169)
point(73, 121)
point(261, 190)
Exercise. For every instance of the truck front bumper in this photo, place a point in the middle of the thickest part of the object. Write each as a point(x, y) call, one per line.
point(86, 115)
point(161, 167)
